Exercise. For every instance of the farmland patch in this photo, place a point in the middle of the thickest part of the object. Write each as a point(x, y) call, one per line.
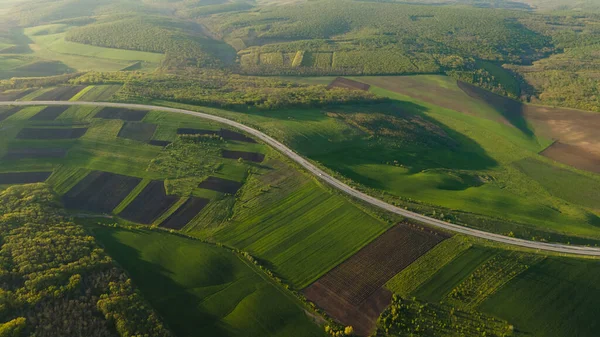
point(121, 113)
point(14, 95)
point(100, 192)
point(10, 178)
point(5, 114)
point(418, 272)
point(202, 289)
point(221, 185)
point(346, 83)
point(250, 156)
point(185, 213)
point(60, 93)
point(141, 132)
point(162, 143)
point(43, 133)
point(574, 156)
point(355, 286)
point(149, 204)
point(32, 153)
point(49, 114)
point(555, 297)
point(224, 133)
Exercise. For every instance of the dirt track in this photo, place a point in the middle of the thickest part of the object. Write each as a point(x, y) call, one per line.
point(542, 246)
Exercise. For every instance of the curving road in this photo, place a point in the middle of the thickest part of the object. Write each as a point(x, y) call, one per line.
point(542, 246)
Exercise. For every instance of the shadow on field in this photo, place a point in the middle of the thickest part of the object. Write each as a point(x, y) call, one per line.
point(397, 133)
point(593, 219)
point(513, 111)
point(179, 307)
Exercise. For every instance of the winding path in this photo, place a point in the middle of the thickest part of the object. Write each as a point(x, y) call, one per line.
point(542, 246)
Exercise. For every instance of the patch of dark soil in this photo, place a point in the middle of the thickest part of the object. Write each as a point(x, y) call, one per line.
point(141, 132)
point(149, 204)
point(60, 93)
point(185, 213)
point(100, 192)
point(249, 156)
point(49, 114)
point(33, 153)
point(42, 133)
point(355, 286)
point(573, 156)
point(14, 95)
point(162, 143)
point(221, 185)
point(11, 178)
point(346, 83)
point(121, 113)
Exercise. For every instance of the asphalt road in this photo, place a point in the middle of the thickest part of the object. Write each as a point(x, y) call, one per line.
point(542, 246)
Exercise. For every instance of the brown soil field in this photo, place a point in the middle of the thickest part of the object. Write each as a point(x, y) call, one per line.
point(7, 113)
point(355, 286)
point(42, 133)
point(100, 192)
point(10, 178)
point(14, 95)
point(161, 143)
point(27, 153)
point(221, 185)
point(120, 113)
point(49, 114)
point(149, 204)
point(185, 213)
point(224, 133)
point(60, 93)
point(249, 156)
point(141, 132)
point(574, 156)
point(346, 83)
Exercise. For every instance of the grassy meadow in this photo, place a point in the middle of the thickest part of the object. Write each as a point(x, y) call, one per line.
point(418, 152)
point(202, 288)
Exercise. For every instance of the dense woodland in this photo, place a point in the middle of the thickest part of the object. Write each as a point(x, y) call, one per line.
point(215, 88)
point(56, 281)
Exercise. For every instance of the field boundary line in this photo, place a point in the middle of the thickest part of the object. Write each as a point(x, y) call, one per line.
point(324, 176)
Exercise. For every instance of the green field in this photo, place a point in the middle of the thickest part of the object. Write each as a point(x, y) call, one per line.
point(420, 152)
point(556, 297)
point(201, 288)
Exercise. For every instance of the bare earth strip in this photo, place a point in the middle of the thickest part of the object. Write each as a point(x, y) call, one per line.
point(542, 246)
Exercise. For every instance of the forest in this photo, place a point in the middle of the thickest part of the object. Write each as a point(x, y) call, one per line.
point(219, 89)
point(55, 279)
